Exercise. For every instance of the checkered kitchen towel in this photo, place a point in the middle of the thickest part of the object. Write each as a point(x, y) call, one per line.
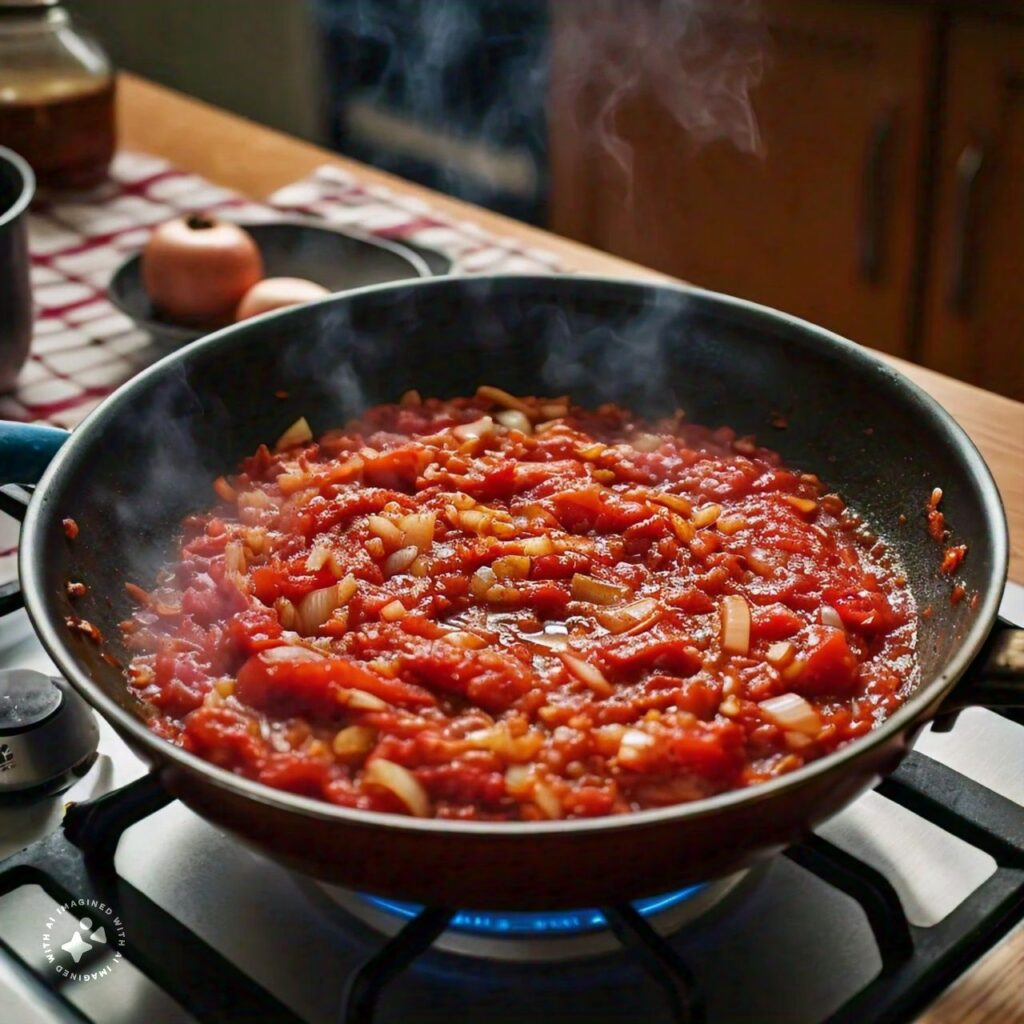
point(84, 347)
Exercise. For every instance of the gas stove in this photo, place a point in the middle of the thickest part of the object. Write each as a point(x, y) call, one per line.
point(132, 910)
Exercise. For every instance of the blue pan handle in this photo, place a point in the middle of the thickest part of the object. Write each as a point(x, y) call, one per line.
point(25, 451)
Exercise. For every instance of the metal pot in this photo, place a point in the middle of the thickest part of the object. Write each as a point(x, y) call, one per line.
point(147, 455)
point(17, 186)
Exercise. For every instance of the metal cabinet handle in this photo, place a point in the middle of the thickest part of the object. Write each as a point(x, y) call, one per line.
point(875, 196)
point(968, 169)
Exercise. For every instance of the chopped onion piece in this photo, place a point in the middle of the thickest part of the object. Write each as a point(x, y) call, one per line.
point(400, 560)
point(224, 489)
point(730, 707)
point(360, 700)
point(780, 654)
point(631, 617)
point(591, 451)
point(586, 588)
point(254, 499)
point(316, 608)
point(735, 624)
point(793, 713)
point(460, 500)
point(607, 739)
point(297, 433)
point(482, 581)
point(499, 739)
point(707, 515)
point(346, 588)
point(318, 557)
point(682, 528)
point(676, 502)
point(646, 442)
point(794, 670)
point(587, 674)
point(830, 617)
point(500, 594)
point(234, 557)
point(804, 505)
point(290, 652)
point(286, 613)
point(731, 524)
point(542, 643)
point(502, 398)
point(399, 780)
point(464, 639)
point(474, 521)
point(418, 529)
point(518, 780)
point(513, 419)
point(758, 561)
point(545, 798)
point(511, 567)
point(388, 531)
point(538, 546)
point(354, 742)
point(471, 431)
point(393, 611)
point(631, 746)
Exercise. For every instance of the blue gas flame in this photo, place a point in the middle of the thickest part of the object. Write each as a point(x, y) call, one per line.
point(515, 924)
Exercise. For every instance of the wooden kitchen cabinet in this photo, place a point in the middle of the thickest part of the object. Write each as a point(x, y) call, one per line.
point(974, 299)
point(822, 223)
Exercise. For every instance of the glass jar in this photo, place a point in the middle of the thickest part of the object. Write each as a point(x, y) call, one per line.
point(56, 95)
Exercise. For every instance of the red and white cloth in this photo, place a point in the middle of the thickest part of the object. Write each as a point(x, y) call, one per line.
point(84, 347)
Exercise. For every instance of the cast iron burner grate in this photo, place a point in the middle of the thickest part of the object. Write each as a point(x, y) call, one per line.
point(77, 861)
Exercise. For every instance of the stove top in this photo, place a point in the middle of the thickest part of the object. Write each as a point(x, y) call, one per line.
point(867, 921)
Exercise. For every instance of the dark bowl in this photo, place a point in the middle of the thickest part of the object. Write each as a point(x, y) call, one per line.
point(290, 248)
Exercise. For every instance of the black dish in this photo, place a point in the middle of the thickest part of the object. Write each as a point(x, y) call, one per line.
point(145, 458)
point(290, 248)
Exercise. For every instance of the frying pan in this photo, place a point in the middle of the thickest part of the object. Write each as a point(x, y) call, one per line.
point(146, 457)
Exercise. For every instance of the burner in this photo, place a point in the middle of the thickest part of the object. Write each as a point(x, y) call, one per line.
point(538, 936)
point(48, 735)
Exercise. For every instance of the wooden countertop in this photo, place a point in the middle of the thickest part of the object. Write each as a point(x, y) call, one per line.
point(256, 160)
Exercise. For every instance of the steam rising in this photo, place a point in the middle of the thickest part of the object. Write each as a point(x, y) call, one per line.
point(479, 69)
point(698, 60)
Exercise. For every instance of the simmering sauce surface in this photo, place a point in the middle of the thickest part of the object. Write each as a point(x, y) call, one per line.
point(504, 608)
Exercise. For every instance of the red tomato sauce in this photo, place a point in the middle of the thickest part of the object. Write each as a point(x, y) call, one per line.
point(510, 609)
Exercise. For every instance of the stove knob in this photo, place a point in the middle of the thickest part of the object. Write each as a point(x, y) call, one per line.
point(48, 734)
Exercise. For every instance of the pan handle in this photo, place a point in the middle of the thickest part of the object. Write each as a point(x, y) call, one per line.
point(995, 679)
point(25, 451)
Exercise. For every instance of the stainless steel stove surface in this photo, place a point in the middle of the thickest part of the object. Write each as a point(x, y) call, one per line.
point(779, 944)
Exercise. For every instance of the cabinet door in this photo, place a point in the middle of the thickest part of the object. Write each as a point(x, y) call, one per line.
point(974, 303)
point(820, 224)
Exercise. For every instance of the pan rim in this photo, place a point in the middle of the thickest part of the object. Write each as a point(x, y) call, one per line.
point(160, 751)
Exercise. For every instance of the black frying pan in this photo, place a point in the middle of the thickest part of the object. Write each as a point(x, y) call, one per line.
point(147, 456)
